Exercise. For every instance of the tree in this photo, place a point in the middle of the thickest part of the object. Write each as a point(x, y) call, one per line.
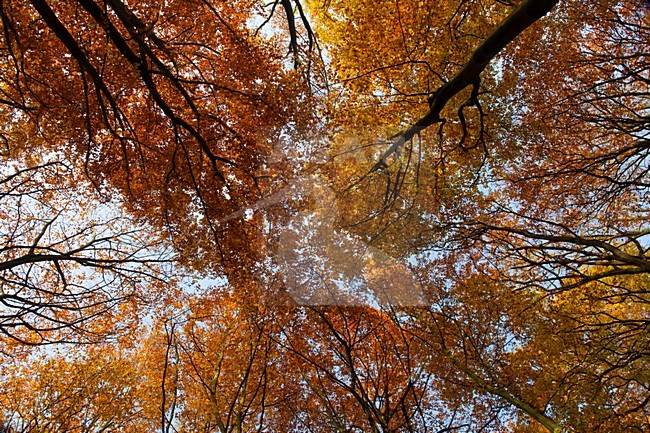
point(66, 263)
point(361, 373)
point(543, 195)
point(220, 367)
point(433, 220)
point(92, 393)
point(144, 116)
point(573, 362)
point(176, 112)
point(592, 172)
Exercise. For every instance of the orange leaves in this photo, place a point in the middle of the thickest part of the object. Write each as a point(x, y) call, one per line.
point(499, 245)
point(88, 393)
point(167, 108)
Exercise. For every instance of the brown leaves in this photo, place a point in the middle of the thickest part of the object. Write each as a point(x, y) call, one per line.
point(472, 244)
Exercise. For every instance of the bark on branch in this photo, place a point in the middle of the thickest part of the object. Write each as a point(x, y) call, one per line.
point(512, 26)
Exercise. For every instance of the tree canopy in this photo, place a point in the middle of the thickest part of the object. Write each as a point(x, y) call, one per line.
point(324, 216)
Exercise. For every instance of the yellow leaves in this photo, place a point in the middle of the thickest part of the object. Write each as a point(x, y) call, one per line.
point(606, 302)
point(191, 144)
point(81, 392)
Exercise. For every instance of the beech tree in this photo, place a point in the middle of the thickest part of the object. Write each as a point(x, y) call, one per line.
point(66, 263)
point(525, 199)
point(378, 216)
point(94, 393)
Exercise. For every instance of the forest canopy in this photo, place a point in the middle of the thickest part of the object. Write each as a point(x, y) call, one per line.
point(324, 216)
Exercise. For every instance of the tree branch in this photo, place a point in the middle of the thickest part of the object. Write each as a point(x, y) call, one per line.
point(519, 20)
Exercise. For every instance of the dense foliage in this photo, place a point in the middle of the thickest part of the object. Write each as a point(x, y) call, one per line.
point(339, 216)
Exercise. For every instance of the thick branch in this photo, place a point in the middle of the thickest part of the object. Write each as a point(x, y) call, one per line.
point(538, 415)
point(70, 43)
point(519, 20)
point(63, 257)
point(550, 424)
point(616, 254)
